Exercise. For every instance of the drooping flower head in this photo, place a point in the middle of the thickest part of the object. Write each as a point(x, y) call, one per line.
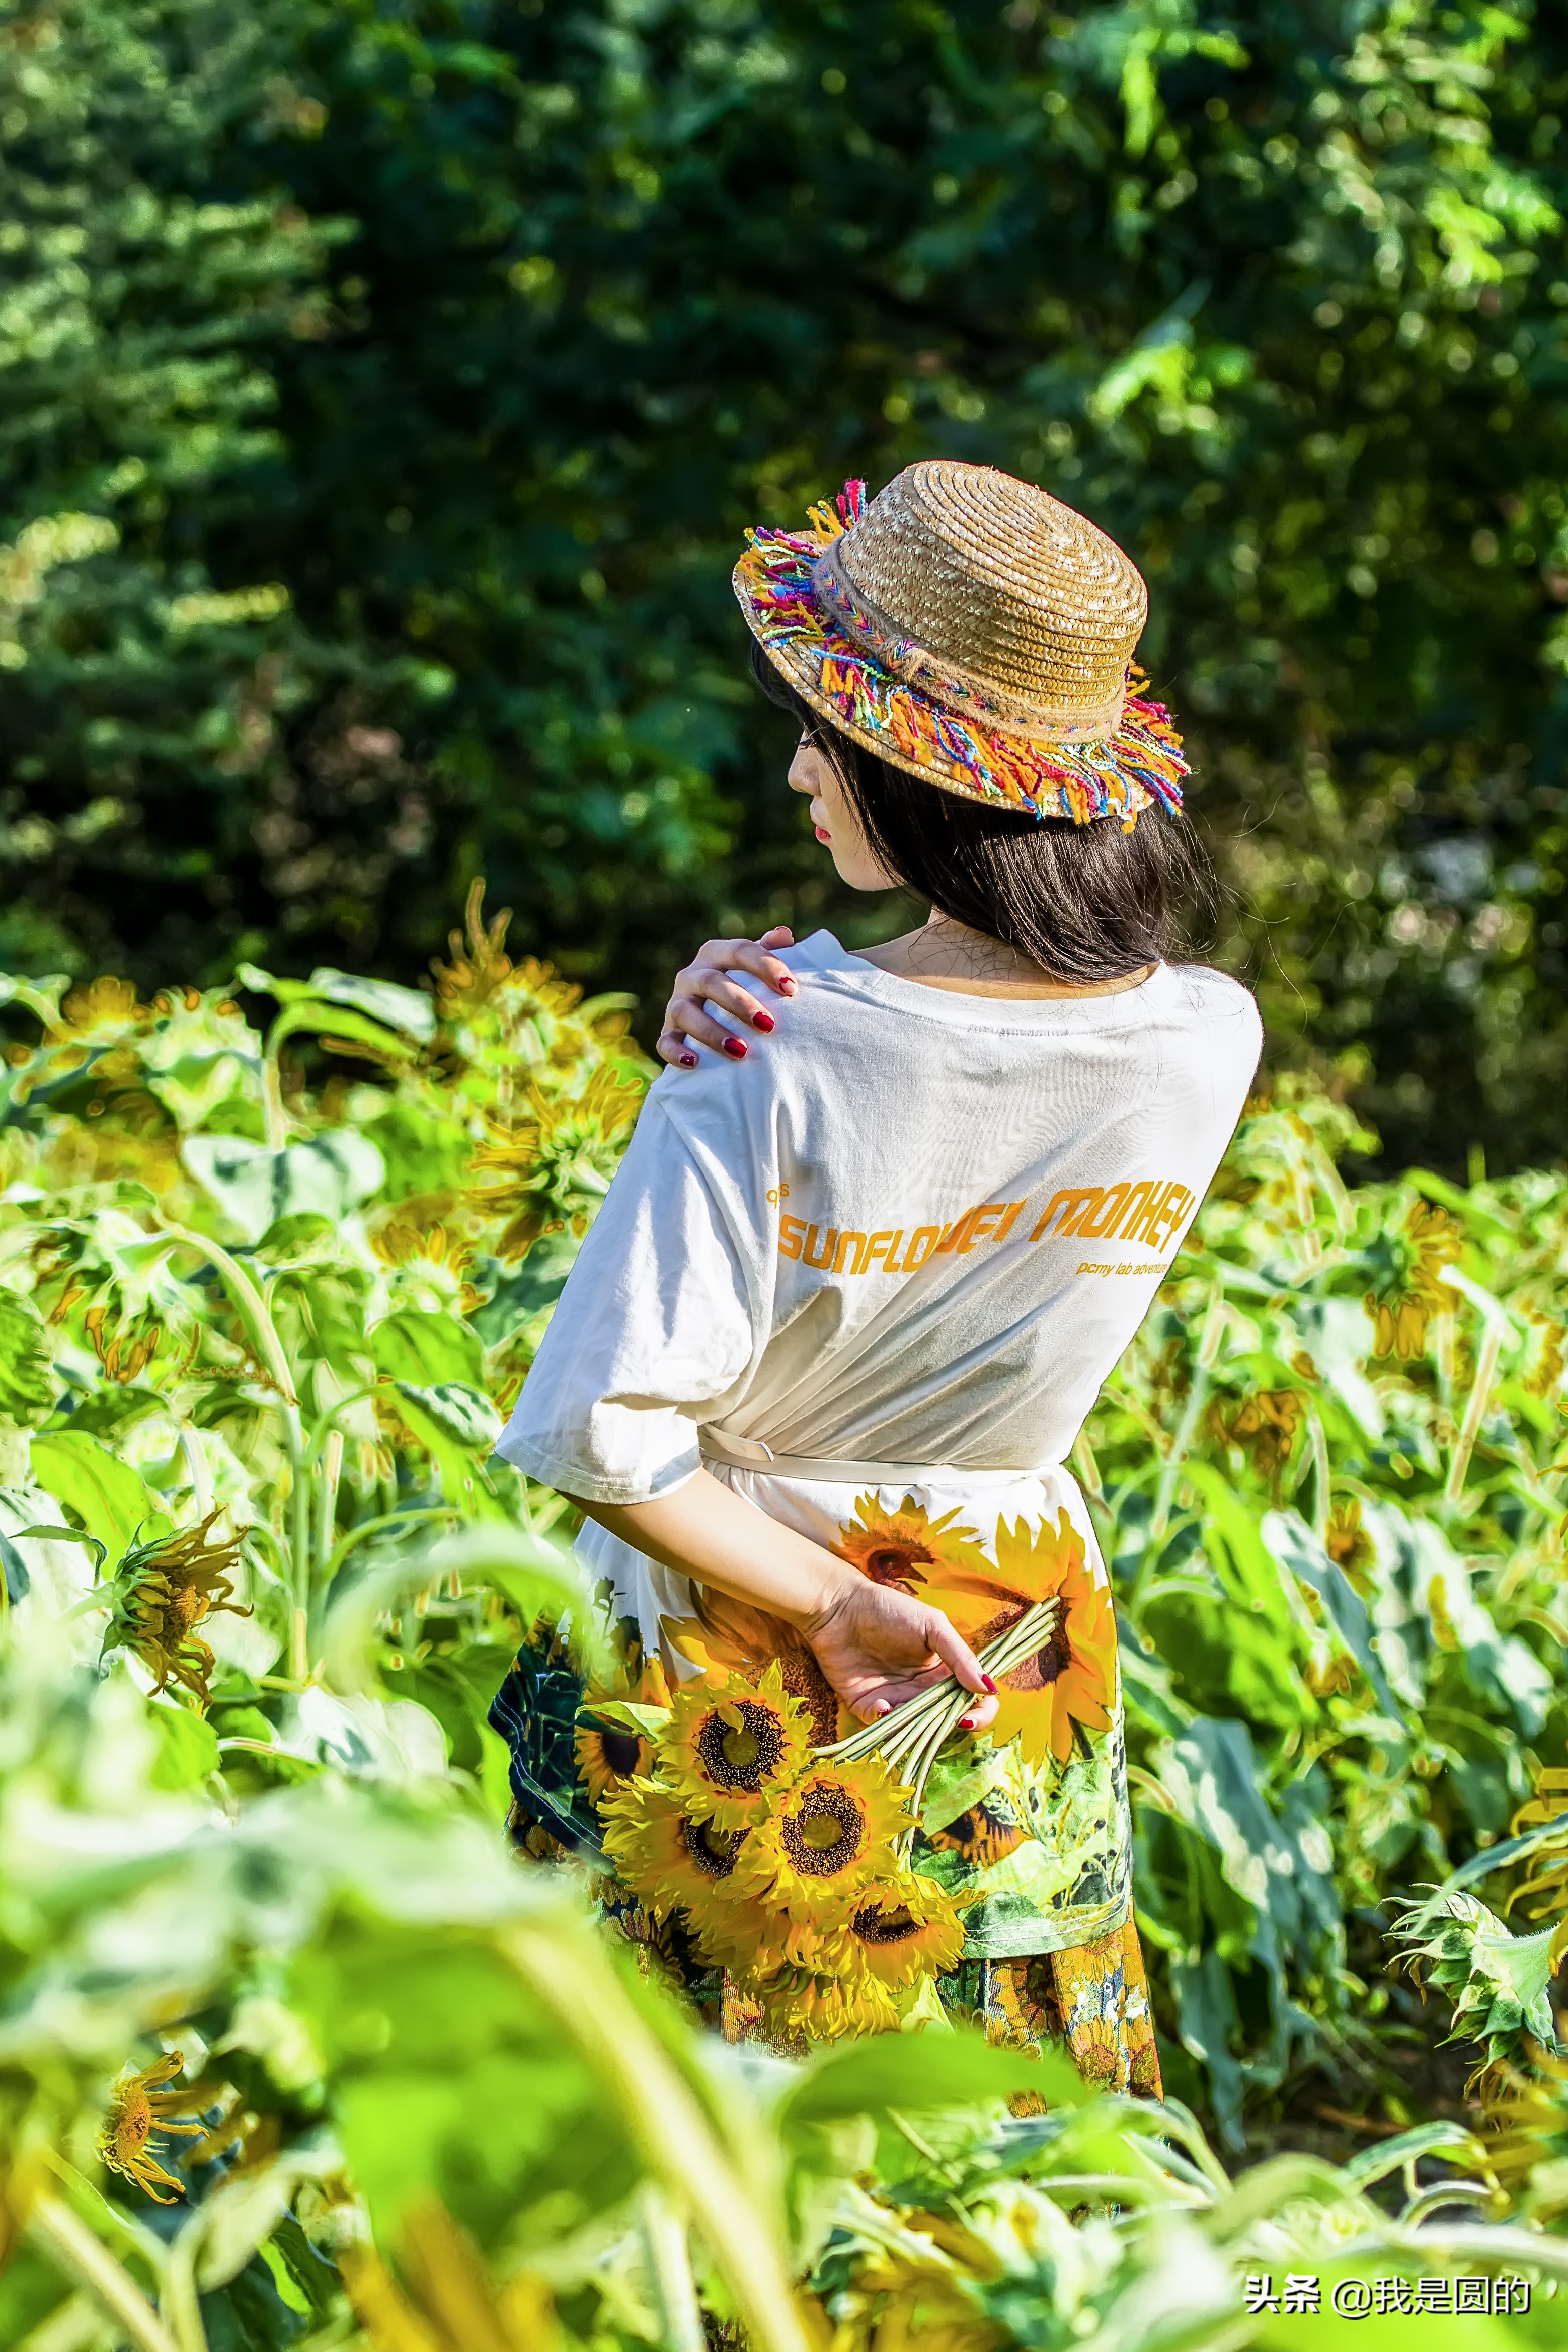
point(163, 1591)
point(904, 1930)
point(732, 1749)
point(1430, 1242)
point(675, 1861)
point(798, 2007)
point(138, 2108)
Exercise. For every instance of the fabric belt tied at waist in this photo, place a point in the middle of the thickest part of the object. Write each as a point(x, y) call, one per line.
point(751, 1453)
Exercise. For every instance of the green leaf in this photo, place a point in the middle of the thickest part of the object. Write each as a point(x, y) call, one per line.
point(456, 1413)
point(28, 1383)
point(326, 1177)
point(110, 1499)
point(912, 2073)
point(427, 1349)
point(188, 1750)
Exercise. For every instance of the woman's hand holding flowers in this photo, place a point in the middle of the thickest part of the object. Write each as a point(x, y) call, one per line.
point(878, 1647)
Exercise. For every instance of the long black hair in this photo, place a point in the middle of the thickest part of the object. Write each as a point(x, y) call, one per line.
point(1088, 903)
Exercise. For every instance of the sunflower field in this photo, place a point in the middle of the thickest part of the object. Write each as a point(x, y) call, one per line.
point(293, 2051)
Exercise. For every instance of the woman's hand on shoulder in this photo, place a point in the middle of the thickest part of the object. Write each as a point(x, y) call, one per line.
point(706, 980)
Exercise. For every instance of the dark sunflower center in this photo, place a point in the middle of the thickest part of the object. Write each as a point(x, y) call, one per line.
point(1055, 1658)
point(741, 1755)
point(622, 1751)
point(712, 1850)
point(895, 1564)
point(823, 1833)
point(874, 1926)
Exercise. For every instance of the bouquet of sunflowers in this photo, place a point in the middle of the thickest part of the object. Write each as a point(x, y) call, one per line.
point(789, 1862)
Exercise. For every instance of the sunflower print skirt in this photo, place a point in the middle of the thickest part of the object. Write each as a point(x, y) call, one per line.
point(1026, 1827)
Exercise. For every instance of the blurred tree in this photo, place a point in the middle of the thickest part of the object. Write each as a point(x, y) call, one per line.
point(1276, 292)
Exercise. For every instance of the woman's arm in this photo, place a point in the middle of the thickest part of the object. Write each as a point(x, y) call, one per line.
point(874, 1644)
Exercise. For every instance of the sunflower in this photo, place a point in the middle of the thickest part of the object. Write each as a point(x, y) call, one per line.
point(831, 1835)
point(163, 1591)
point(1265, 1424)
point(1349, 1545)
point(798, 2007)
point(1072, 1679)
point(427, 1264)
point(727, 1636)
point(1432, 1241)
point(137, 2108)
point(904, 1930)
point(557, 1157)
point(729, 1751)
point(608, 1753)
point(897, 1548)
point(675, 1862)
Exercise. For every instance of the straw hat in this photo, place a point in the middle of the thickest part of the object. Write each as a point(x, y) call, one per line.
point(972, 630)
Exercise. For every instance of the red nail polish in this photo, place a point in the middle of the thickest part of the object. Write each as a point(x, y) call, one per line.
point(966, 1723)
point(989, 1686)
point(736, 1048)
point(786, 987)
point(689, 1061)
point(761, 1020)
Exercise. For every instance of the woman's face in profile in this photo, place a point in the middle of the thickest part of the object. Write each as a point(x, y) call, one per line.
point(837, 826)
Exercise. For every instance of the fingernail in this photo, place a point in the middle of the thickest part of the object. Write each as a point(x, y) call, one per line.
point(761, 1020)
point(966, 1723)
point(735, 1046)
point(786, 987)
point(989, 1686)
point(689, 1061)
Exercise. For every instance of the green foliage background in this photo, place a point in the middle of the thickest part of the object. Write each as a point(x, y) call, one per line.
point(383, 390)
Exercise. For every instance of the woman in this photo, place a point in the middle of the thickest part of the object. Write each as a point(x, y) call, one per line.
point(819, 1368)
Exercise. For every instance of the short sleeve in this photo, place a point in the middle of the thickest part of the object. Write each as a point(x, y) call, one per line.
point(654, 1327)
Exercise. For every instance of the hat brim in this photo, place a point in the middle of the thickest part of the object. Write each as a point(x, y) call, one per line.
point(1138, 763)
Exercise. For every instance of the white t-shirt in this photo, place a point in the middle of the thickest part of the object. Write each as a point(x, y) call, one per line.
point(914, 1229)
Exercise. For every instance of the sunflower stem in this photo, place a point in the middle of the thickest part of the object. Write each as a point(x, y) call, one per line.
point(909, 1738)
point(85, 2258)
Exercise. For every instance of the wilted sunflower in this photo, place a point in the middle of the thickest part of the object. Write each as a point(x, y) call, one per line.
point(907, 1929)
point(429, 1265)
point(1348, 1543)
point(557, 1158)
point(1432, 1241)
point(136, 2109)
point(163, 1591)
point(834, 1833)
point(1264, 1424)
point(480, 964)
point(731, 1750)
point(1072, 1678)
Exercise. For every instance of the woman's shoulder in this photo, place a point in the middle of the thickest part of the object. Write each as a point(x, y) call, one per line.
point(1208, 996)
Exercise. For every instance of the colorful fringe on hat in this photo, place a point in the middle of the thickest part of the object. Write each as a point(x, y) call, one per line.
point(1141, 762)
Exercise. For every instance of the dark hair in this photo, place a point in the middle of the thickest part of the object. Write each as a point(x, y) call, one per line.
point(1084, 902)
